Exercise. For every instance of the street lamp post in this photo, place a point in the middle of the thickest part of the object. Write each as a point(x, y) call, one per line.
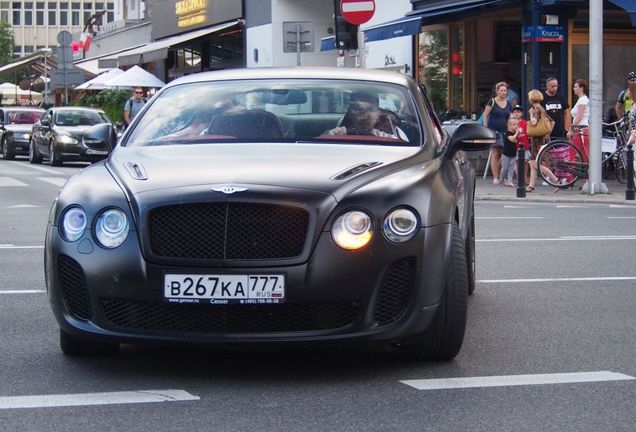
point(46, 73)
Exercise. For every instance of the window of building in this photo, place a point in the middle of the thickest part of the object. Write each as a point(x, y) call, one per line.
point(16, 18)
point(28, 5)
point(17, 51)
point(4, 5)
point(28, 17)
point(88, 6)
point(39, 5)
point(64, 5)
point(75, 6)
point(39, 18)
point(4, 15)
point(87, 16)
point(99, 6)
point(52, 18)
point(63, 18)
point(433, 66)
point(28, 49)
point(75, 18)
point(52, 5)
point(16, 5)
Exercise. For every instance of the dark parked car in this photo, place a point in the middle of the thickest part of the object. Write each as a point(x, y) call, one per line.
point(58, 135)
point(15, 129)
point(271, 206)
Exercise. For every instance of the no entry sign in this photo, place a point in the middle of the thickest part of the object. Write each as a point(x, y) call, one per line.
point(357, 11)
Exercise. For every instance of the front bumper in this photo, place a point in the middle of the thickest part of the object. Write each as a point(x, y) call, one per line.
point(78, 152)
point(384, 293)
point(19, 146)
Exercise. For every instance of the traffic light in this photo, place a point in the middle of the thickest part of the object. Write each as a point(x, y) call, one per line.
point(346, 33)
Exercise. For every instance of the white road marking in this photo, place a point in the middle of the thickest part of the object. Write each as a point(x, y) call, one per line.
point(57, 181)
point(570, 206)
point(518, 207)
point(23, 206)
point(621, 217)
point(39, 168)
point(619, 206)
point(564, 238)
point(106, 398)
point(10, 246)
point(10, 182)
point(515, 380)
point(21, 292)
point(577, 279)
point(509, 217)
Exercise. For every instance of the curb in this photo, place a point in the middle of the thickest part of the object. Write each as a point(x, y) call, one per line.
point(581, 199)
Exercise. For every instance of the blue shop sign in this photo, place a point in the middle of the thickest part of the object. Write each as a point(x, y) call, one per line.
point(543, 33)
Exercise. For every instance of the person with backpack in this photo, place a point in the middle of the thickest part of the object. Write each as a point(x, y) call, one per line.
point(134, 105)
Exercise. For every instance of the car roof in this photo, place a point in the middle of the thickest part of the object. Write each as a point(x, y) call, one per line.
point(76, 108)
point(21, 108)
point(297, 73)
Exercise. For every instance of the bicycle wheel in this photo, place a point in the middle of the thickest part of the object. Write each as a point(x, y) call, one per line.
point(563, 161)
point(619, 168)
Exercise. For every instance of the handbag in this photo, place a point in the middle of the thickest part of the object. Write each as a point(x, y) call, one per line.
point(542, 128)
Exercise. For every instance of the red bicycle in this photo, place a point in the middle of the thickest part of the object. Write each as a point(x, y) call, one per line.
point(564, 162)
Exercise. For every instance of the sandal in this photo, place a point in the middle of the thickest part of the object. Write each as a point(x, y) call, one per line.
point(529, 189)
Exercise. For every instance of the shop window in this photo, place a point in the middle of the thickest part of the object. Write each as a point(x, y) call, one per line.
point(433, 66)
point(507, 42)
point(457, 66)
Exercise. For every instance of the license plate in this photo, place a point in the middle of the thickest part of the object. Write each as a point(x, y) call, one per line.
point(224, 288)
point(96, 152)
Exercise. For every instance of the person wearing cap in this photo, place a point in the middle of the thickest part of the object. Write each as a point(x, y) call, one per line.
point(625, 98)
point(557, 108)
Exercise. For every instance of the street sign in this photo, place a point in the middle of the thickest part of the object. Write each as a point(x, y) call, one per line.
point(357, 11)
point(64, 38)
point(73, 77)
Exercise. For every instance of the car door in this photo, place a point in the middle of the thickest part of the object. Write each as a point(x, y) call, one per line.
point(2, 121)
point(44, 133)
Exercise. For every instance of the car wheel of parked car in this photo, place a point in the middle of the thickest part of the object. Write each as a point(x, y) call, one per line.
point(34, 156)
point(470, 253)
point(54, 157)
point(7, 153)
point(444, 338)
point(72, 346)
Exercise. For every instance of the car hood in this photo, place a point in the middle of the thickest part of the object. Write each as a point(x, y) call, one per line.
point(76, 131)
point(328, 168)
point(19, 128)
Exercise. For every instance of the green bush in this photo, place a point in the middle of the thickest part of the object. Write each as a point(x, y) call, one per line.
point(111, 101)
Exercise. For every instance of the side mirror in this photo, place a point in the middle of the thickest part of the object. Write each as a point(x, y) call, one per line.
point(45, 122)
point(101, 138)
point(470, 137)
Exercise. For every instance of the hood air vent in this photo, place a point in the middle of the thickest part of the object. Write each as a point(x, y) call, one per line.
point(356, 169)
point(136, 171)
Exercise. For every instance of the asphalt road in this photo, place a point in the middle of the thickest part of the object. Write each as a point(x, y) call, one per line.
point(555, 302)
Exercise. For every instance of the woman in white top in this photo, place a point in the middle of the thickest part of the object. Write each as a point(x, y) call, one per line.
point(580, 115)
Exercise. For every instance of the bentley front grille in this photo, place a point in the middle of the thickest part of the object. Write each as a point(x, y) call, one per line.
point(228, 319)
point(231, 231)
point(73, 284)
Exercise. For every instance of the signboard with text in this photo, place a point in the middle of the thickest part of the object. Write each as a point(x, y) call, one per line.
point(171, 17)
point(544, 33)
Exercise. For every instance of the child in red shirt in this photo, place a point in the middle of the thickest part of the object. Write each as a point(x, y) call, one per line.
point(522, 136)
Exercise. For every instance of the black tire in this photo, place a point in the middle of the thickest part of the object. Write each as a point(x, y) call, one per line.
point(444, 338)
point(7, 153)
point(470, 253)
point(564, 160)
point(619, 168)
point(74, 347)
point(54, 157)
point(34, 156)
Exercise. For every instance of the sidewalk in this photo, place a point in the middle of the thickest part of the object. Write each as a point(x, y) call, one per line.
point(486, 190)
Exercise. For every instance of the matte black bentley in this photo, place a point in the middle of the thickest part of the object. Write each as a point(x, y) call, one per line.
point(269, 206)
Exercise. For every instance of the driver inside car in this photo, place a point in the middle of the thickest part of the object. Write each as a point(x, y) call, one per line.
point(364, 117)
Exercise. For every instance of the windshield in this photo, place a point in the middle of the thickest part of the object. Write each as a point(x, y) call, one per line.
point(310, 110)
point(80, 118)
point(23, 117)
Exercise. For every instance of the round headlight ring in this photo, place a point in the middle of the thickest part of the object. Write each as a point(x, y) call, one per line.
point(73, 223)
point(400, 225)
point(352, 230)
point(111, 228)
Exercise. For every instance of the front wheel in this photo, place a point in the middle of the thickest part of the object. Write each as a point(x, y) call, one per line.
point(560, 164)
point(444, 338)
point(54, 157)
point(34, 156)
point(7, 153)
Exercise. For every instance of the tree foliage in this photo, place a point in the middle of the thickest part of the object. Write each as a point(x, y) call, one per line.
point(111, 101)
point(7, 43)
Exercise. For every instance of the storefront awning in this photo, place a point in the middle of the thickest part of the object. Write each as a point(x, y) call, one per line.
point(630, 8)
point(158, 50)
point(328, 43)
point(435, 12)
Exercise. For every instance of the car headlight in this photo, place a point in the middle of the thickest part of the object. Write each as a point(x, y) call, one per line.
point(23, 136)
point(67, 139)
point(400, 225)
point(111, 228)
point(352, 230)
point(73, 224)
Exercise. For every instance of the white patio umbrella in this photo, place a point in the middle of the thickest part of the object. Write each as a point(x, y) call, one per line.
point(11, 92)
point(99, 82)
point(135, 77)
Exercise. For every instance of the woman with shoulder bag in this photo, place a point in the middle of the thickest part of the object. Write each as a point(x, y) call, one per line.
point(538, 130)
point(496, 114)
